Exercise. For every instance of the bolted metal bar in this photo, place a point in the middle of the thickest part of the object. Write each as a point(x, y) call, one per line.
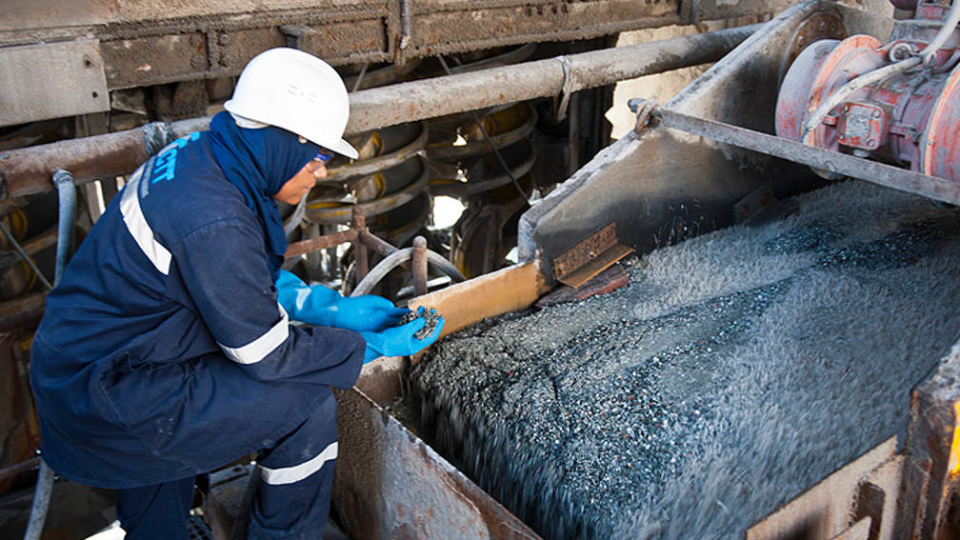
point(847, 165)
point(419, 264)
point(25, 171)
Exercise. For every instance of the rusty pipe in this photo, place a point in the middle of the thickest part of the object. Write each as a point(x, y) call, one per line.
point(26, 171)
point(66, 220)
point(359, 224)
point(430, 98)
point(321, 242)
point(23, 312)
point(419, 264)
point(18, 468)
point(385, 250)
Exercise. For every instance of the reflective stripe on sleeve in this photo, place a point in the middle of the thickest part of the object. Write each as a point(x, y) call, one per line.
point(139, 228)
point(289, 475)
point(258, 349)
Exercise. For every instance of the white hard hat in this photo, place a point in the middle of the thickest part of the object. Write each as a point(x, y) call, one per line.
point(296, 91)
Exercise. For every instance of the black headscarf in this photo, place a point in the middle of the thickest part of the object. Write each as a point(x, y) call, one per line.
point(259, 162)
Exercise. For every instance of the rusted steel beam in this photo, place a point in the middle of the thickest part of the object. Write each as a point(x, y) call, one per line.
point(322, 242)
point(21, 467)
point(27, 171)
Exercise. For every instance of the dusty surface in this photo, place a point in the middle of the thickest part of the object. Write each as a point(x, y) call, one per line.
point(737, 369)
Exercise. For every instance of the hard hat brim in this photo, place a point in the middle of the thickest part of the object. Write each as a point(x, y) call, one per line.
point(345, 148)
point(339, 146)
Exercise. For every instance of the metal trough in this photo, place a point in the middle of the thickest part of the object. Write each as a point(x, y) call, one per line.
point(658, 186)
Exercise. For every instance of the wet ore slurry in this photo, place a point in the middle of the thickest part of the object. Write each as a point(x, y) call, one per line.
point(736, 370)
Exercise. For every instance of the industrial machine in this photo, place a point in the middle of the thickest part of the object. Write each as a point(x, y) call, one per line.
point(815, 87)
point(894, 102)
point(707, 159)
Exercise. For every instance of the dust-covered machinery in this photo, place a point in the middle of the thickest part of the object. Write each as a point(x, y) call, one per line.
point(895, 102)
point(707, 159)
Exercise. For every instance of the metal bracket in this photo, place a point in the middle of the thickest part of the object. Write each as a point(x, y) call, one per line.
point(644, 110)
point(591, 256)
point(52, 80)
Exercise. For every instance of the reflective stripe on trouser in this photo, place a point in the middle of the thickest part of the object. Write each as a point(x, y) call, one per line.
point(157, 512)
point(294, 496)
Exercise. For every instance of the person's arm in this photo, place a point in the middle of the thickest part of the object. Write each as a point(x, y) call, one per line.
point(225, 270)
point(316, 304)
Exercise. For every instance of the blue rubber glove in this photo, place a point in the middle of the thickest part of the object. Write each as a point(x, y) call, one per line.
point(399, 340)
point(325, 307)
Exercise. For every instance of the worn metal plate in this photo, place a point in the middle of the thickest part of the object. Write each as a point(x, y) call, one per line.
point(823, 511)
point(390, 484)
point(52, 80)
point(346, 39)
point(148, 60)
point(589, 257)
point(707, 10)
point(438, 29)
point(661, 187)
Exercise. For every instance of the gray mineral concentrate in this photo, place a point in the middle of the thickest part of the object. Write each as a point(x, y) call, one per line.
point(430, 317)
point(737, 369)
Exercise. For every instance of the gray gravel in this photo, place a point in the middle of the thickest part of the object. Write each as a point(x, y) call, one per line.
point(737, 369)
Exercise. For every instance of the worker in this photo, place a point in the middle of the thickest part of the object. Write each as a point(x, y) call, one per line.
point(167, 351)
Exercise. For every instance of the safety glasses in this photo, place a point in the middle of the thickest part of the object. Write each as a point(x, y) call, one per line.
point(322, 156)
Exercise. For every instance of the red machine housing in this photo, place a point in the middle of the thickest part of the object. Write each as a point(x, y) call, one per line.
point(909, 118)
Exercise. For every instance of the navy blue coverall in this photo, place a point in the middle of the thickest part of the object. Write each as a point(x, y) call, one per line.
point(164, 354)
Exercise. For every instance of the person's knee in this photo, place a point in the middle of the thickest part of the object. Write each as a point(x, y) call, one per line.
point(156, 512)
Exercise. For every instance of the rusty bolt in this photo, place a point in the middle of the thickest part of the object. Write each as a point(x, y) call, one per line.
point(871, 142)
point(841, 137)
point(876, 114)
point(846, 109)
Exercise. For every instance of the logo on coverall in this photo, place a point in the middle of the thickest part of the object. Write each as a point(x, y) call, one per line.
point(164, 167)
